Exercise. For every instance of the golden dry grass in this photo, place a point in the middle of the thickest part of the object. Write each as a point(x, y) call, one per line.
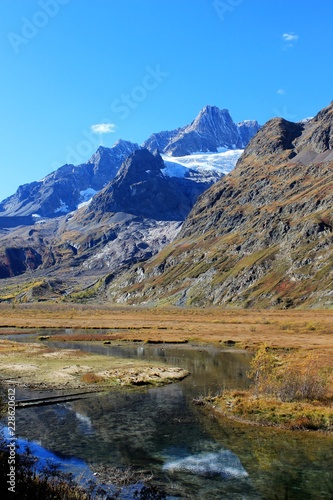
point(290, 329)
point(245, 407)
point(311, 329)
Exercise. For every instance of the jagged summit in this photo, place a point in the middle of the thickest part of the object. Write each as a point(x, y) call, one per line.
point(124, 146)
point(274, 142)
point(159, 141)
point(209, 116)
point(259, 237)
point(318, 133)
point(140, 165)
point(121, 206)
point(211, 130)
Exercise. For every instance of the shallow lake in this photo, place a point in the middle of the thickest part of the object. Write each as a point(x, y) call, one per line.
point(192, 453)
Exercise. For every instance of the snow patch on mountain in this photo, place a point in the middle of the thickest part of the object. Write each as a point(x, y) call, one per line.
point(86, 197)
point(62, 209)
point(209, 165)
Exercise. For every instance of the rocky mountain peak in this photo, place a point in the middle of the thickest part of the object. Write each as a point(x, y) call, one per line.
point(247, 129)
point(318, 132)
point(212, 129)
point(213, 121)
point(64, 189)
point(141, 189)
point(209, 116)
point(159, 141)
point(121, 206)
point(274, 142)
point(125, 146)
point(140, 165)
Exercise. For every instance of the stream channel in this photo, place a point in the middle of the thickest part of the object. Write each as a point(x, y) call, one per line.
point(192, 453)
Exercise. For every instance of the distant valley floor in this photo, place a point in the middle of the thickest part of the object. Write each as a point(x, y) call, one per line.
point(287, 329)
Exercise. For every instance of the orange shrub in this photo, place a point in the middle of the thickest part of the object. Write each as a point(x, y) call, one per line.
point(92, 378)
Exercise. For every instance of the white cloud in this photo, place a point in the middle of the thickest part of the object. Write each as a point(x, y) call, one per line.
point(289, 37)
point(281, 92)
point(103, 128)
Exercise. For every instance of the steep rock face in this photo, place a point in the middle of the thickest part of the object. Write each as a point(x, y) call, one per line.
point(130, 220)
point(274, 143)
point(262, 236)
point(318, 135)
point(15, 261)
point(213, 128)
point(106, 162)
point(63, 190)
point(137, 208)
point(247, 129)
point(160, 140)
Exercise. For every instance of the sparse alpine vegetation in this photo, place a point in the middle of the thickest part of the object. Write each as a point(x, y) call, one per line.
point(260, 237)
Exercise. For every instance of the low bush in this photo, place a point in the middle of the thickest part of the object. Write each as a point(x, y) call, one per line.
point(92, 378)
point(299, 378)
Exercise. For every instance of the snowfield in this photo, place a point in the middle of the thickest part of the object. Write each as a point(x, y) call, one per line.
point(209, 165)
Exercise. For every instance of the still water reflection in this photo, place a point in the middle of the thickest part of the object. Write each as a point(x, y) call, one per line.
point(192, 454)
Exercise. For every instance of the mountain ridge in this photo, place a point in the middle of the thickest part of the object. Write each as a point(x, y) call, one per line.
point(260, 237)
point(140, 188)
point(63, 190)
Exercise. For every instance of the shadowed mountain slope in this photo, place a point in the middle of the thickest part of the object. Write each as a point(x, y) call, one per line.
point(65, 189)
point(140, 188)
point(122, 206)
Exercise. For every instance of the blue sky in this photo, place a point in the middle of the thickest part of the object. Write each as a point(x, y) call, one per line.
point(133, 67)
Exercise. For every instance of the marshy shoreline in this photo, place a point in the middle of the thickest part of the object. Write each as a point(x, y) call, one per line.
point(40, 367)
point(35, 366)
